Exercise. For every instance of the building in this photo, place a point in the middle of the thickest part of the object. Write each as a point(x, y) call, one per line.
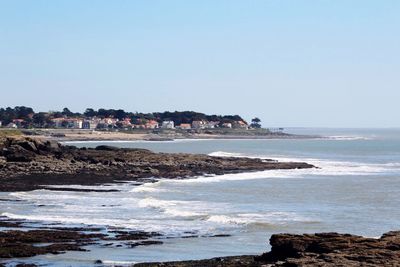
point(12, 125)
point(167, 125)
point(152, 124)
point(226, 125)
point(67, 123)
point(90, 124)
point(212, 124)
point(240, 125)
point(110, 121)
point(1, 123)
point(199, 124)
point(75, 123)
point(57, 122)
point(18, 122)
point(185, 126)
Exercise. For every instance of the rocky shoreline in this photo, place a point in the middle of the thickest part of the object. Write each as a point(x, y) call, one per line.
point(322, 249)
point(287, 250)
point(20, 239)
point(30, 163)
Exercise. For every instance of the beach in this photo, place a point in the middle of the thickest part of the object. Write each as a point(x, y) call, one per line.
point(63, 135)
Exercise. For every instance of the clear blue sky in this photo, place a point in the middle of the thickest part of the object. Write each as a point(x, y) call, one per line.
point(292, 63)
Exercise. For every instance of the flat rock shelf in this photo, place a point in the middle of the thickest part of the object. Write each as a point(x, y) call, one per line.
point(29, 164)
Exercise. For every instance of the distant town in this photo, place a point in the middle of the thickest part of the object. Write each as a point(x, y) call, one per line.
point(22, 117)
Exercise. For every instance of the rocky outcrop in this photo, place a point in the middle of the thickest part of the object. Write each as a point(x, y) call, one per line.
point(333, 249)
point(29, 163)
point(324, 249)
point(28, 243)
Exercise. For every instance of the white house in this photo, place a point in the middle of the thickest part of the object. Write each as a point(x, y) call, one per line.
point(167, 125)
point(227, 125)
point(212, 124)
point(77, 124)
point(12, 125)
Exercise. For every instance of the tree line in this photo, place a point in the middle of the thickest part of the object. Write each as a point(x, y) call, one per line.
point(29, 116)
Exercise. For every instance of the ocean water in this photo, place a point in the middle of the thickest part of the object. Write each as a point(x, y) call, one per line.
point(356, 189)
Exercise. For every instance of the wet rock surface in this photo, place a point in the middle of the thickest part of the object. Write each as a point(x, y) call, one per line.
point(29, 163)
point(18, 240)
point(333, 249)
point(323, 249)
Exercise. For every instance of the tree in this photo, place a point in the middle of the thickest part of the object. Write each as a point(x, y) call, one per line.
point(89, 112)
point(255, 123)
point(39, 119)
point(67, 112)
point(120, 114)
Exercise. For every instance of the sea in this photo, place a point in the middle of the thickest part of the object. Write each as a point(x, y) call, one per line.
point(354, 189)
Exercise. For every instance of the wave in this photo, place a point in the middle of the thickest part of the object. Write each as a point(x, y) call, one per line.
point(173, 208)
point(325, 167)
point(347, 138)
point(59, 219)
point(270, 218)
point(226, 154)
point(149, 188)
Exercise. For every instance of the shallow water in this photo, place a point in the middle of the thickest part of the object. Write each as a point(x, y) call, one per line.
point(355, 190)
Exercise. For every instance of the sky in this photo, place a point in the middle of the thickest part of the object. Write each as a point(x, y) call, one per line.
point(291, 63)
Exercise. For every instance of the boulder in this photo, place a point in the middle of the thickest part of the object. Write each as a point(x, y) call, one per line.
point(333, 249)
point(16, 153)
point(28, 145)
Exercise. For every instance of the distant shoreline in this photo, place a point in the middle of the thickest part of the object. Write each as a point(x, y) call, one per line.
point(69, 135)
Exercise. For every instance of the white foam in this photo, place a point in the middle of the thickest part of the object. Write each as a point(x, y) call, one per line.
point(60, 219)
point(172, 207)
point(257, 218)
point(118, 263)
point(325, 168)
point(347, 138)
point(148, 188)
point(225, 154)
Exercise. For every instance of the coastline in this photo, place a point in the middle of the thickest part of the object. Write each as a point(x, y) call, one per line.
point(320, 249)
point(32, 163)
point(326, 249)
point(65, 135)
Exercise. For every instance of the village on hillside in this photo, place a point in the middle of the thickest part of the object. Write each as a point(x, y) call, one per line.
point(103, 119)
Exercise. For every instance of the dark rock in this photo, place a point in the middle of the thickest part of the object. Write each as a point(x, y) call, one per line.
point(325, 250)
point(34, 163)
point(107, 148)
point(22, 243)
point(28, 145)
point(132, 235)
point(333, 249)
point(17, 153)
point(144, 243)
